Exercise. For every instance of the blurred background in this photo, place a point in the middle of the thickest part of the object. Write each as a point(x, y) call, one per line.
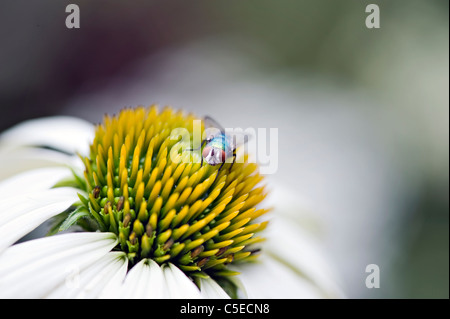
point(363, 114)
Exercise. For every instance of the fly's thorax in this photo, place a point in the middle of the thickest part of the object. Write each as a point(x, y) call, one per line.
point(222, 142)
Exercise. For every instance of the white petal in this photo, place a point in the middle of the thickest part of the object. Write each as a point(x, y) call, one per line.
point(178, 284)
point(65, 133)
point(33, 180)
point(114, 282)
point(270, 279)
point(210, 289)
point(34, 268)
point(14, 161)
point(291, 205)
point(297, 249)
point(145, 280)
point(22, 213)
point(292, 239)
point(93, 279)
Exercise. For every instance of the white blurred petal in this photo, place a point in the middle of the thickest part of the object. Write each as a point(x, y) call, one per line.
point(292, 206)
point(295, 248)
point(95, 278)
point(210, 289)
point(68, 134)
point(145, 280)
point(178, 284)
point(270, 279)
point(33, 180)
point(292, 239)
point(14, 161)
point(34, 268)
point(22, 213)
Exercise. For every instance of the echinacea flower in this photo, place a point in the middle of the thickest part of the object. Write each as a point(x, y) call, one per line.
point(127, 221)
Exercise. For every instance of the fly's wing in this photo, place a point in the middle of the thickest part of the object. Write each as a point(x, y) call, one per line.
point(210, 122)
point(233, 141)
point(212, 128)
point(236, 139)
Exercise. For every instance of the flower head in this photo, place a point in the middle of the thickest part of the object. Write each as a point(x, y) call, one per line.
point(193, 215)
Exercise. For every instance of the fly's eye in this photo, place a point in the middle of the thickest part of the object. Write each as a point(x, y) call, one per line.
point(206, 151)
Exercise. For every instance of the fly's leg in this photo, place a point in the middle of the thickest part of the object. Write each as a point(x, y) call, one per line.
point(218, 171)
point(221, 165)
point(196, 149)
point(234, 160)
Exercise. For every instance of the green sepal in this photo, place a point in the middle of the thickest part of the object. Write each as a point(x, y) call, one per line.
point(228, 286)
point(185, 259)
point(75, 181)
point(226, 273)
point(66, 182)
point(188, 268)
point(98, 218)
point(79, 180)
point(56, 221)
point(159, 251)
point(133, 248)
point(74, 217)
point(199, 274)
point(131, 257)
point(124, 232)
point(83, 199)
point(89, 224)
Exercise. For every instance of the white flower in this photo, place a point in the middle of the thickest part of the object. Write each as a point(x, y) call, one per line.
point(37, 154)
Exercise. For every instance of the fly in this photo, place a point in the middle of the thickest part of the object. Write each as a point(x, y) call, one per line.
point(219, 146)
